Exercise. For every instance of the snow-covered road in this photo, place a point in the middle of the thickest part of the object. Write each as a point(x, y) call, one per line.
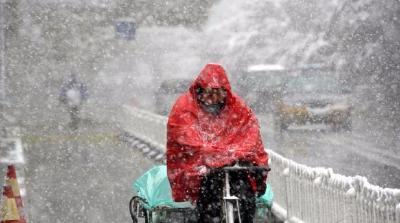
point(82, 176)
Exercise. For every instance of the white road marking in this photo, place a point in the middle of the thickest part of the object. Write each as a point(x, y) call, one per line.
point(12, 151)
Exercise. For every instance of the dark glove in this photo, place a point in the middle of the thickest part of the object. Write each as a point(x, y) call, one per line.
point(260, 177)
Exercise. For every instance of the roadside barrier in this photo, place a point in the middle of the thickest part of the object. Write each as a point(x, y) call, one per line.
point(302, 193)
point(148, 150)
point(306, 194)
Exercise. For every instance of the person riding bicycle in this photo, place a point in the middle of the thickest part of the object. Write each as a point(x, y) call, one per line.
point(72, 94)
point(210, 127)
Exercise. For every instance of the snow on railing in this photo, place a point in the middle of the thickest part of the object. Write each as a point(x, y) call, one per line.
point(302, 193)
point(319, 195)
point(148, 127)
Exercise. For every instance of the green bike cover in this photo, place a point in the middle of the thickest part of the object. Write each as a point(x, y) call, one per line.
point(154, 187)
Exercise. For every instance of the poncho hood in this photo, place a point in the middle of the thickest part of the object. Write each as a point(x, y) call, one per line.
point(212, 76)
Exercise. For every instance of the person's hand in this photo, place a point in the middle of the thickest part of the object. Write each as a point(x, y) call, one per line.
point(244, 163)
point(261, 177)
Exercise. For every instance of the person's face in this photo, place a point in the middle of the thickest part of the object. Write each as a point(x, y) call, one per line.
point(210, 96)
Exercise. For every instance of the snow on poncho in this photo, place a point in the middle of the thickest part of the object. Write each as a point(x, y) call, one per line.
point(198, 140)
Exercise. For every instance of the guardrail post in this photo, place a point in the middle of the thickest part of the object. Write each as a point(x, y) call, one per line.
point(286, 177)
point(350, 214)
point(397, 206)
point(317, 196)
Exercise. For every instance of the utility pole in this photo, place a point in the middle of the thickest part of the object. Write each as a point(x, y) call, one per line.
point(2, 55)
point(2, 67)
point(8, 13)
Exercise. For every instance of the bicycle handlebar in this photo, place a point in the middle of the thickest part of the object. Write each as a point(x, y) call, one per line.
point(250, 168)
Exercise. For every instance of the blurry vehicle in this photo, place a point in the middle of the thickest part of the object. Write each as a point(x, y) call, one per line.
point(168, 92)
point(125, 29)
point(314, 96)
point(261, 85)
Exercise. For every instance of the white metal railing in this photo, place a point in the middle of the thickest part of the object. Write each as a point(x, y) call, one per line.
point(302, 193)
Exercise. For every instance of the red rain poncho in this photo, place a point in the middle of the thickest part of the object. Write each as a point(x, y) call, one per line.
point(197, 139)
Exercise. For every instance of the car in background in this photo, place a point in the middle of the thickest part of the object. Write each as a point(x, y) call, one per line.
point(314, 96)
point(168, 92)
point(261, 85)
